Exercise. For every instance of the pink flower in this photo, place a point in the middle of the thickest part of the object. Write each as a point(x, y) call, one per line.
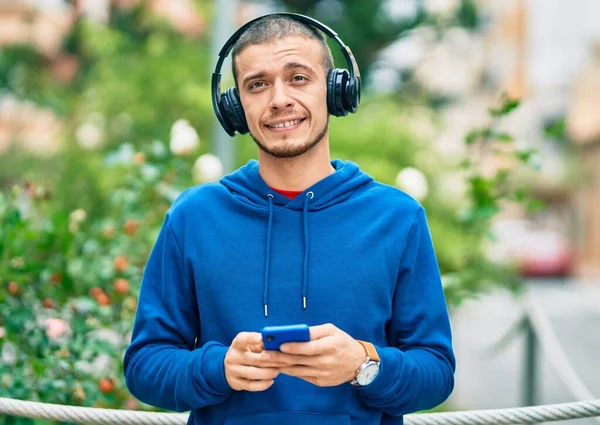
point(55, 328)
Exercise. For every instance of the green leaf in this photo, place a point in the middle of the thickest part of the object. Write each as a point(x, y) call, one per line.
point(525, 155)
point(535, 206)
point(472, 136)
point(504, 137)
point(506, 108)
point(465, 164)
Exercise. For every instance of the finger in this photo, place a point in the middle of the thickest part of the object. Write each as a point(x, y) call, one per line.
point(244, 384)
point(243, 340)
point(255, 359)
point(300, 371)
point(252, 373)
point(311, 348)
point(256, 348)
point(283, 359)
point(321, 331)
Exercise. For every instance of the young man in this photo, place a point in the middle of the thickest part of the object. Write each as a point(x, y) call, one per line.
point(291, 238)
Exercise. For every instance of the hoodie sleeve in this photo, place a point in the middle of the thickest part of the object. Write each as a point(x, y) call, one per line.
point(417, 368)
point(162, 366)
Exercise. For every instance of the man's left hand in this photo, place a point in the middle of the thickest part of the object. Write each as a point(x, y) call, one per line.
point(329, 359)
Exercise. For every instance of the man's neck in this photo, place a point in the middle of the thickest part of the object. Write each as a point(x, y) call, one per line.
point(297, 173)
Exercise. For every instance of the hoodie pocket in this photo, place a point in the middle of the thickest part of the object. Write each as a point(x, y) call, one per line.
point(289, 418)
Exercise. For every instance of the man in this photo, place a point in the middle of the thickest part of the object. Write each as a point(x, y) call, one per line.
point(291, 238)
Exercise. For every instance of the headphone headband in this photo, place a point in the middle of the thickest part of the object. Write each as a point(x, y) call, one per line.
point(353, 70)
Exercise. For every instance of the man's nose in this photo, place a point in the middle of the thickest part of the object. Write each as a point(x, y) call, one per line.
point(281, 98)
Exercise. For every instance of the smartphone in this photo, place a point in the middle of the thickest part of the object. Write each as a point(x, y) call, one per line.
point(274, 336)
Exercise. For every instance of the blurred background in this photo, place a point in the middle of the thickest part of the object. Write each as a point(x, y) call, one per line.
point(487, 112)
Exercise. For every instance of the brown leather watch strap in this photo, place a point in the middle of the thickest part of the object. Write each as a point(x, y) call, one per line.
point(370, 349)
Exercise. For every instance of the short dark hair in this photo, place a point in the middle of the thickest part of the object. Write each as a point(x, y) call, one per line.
point(275, 27)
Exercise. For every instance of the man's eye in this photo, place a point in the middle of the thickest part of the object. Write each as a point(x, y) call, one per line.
point(256, 85)
point(300, 78)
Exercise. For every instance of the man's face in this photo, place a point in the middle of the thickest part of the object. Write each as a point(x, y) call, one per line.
point(284, 95)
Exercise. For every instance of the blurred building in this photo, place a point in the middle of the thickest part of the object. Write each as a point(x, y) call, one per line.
point(584, 130)
point(536, 51)
point(554, 67)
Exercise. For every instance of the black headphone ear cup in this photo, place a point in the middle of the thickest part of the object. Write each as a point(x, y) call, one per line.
point(337, 102)
point(353, 95)
point(222, 116)
point(330, 92)
point(234, 110)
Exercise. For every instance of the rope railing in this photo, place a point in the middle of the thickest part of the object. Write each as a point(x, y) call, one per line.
point(537, 323)
point(97, 416)
point(555, 353)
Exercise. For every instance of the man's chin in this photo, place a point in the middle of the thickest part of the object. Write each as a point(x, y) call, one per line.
point(283, 148)
point(289, 147)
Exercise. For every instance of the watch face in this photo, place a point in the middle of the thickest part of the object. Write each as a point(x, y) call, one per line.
point(368, 374)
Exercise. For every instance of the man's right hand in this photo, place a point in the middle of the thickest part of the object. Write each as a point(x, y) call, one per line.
point(245, 367)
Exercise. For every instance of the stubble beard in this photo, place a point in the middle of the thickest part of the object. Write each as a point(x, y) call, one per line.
point(284, 151)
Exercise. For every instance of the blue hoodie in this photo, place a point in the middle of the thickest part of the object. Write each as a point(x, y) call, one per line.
point(236, 256)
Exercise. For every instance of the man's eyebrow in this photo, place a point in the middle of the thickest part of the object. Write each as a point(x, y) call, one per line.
point(293, 65)
point(288, 67)
point(260, 74)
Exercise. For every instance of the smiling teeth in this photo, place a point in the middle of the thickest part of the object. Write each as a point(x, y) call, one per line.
point(285, 124)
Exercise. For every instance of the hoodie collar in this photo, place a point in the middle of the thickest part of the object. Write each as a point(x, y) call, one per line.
point(247, 184)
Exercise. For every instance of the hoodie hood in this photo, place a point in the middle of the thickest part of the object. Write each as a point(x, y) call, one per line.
point(248, 185)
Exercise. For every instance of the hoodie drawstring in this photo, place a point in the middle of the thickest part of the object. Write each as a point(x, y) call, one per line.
point(268, 257)
point(309, 196)
point(270, 196)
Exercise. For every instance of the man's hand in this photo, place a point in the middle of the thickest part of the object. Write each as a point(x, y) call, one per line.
point(245, 368)
point(330, 358)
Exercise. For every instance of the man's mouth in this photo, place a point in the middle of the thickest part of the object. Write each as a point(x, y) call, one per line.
point(286, 125)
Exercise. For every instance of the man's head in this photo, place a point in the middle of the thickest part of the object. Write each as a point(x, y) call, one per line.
point(280, 67)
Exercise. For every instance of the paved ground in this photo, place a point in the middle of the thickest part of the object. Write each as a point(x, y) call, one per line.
point(494, 380)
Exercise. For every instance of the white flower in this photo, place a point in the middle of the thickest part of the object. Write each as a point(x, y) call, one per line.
point(158, 149)
point(413, 182)
point(107, 335)
point(441, 7)
point(99, 367)
point(184, 138)
point(207, 168)
point(9, 353)
point(78, 216)
point(88, 135)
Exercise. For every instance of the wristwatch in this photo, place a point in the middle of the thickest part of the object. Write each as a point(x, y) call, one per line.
point(368, 371)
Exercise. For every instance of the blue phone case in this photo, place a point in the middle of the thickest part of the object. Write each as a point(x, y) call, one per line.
point(274, 336)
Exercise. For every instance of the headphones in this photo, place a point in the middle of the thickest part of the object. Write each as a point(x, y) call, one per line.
point(343, 86)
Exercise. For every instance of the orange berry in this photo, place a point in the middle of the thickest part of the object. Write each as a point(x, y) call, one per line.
point(121, 285)
point(49, 303)
point(130, 227)
point(121, 263)
point(13, 288)
point(103, 299)
point(139, 158)
point(56, 278)
point(106, 385)
point(95, 291)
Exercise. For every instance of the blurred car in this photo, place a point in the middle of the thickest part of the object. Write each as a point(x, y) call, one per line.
point(536, 252)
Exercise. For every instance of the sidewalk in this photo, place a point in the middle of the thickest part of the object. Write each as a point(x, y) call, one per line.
point(487, 380)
